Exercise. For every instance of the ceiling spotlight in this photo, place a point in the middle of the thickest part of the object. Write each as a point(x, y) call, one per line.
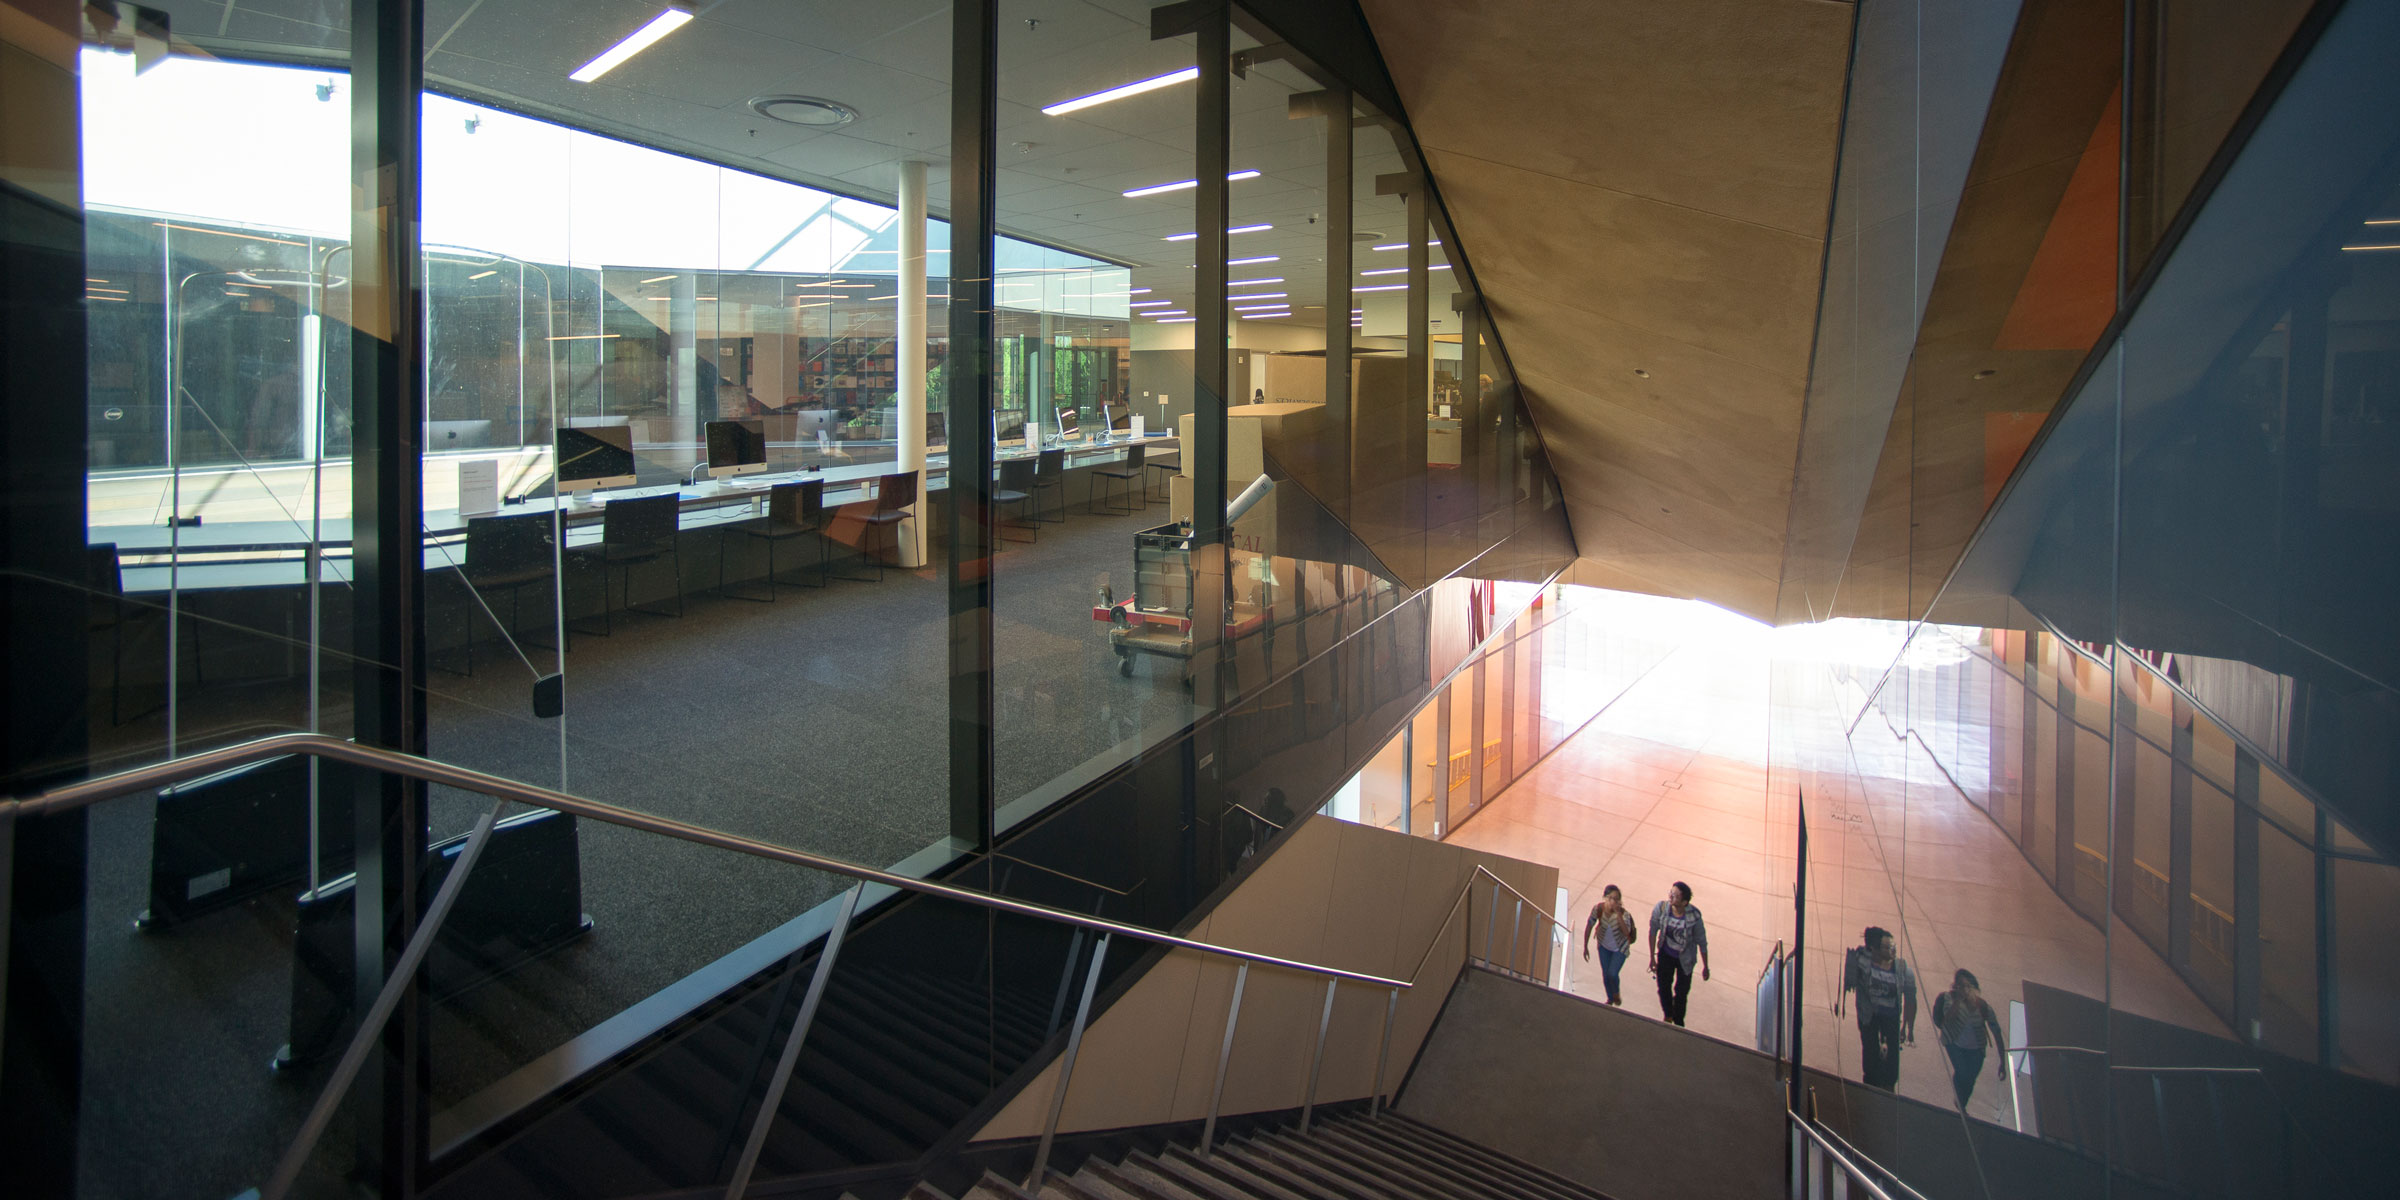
point(813, 111)
point(1985, 373)
point(1640, 373)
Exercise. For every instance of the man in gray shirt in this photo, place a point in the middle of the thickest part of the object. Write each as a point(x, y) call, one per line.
point(1887, 1006)
point(1678, 942)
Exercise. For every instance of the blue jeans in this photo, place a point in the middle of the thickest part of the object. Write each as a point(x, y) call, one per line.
point(1611, 962)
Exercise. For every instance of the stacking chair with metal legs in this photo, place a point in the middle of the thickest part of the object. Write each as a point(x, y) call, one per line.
point(508, 554)
point(893, 495)
point(635, 532)
point(1017, 488)
point(1168, 468)
point(1050, 475)
point(794, 510)
point(1123, 472)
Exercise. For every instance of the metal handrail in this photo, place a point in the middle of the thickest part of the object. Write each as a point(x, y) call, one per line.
point(1068, 876)
point(1253, 815)
point(1847, 1157)
point(316, 745)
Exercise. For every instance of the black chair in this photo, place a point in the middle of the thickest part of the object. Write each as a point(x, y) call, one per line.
point(633, 532)
point(1123, 472)
point(507, 554)
point(893, 495)
point(104, 569)
point(1017, 488)
point(1168, 467)
point(794, 510)
point(1050, 475)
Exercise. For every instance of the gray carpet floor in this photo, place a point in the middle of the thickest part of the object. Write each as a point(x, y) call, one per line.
point(819, 721)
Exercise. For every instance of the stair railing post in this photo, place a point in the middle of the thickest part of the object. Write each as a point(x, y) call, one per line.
point(1383, 1055)
point(1516, 927)
point(1491, 918)
point(1066, 1065)
point(1216, 1097)
point(1316, 1057)
point(772, 1102)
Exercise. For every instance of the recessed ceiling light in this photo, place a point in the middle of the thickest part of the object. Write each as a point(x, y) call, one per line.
point(813, 111)
point(1158, 189)
point(639, 40)
point(1641, 373)
point(1136, 88)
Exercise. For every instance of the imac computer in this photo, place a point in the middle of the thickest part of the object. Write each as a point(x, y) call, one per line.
point(1070, 425)
point(736, 447)
point(1009, 427)
point(1119, 414)
point(595, 456)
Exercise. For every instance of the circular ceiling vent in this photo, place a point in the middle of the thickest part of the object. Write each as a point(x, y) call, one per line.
point(803, 110)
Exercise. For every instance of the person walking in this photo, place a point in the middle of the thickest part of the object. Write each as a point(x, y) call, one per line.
point(1965, 1020)
point(1886, 1006)
point(1615, 927)
point(1678, 942)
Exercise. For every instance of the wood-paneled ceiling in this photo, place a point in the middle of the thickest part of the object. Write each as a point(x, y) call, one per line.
point(1641, 187)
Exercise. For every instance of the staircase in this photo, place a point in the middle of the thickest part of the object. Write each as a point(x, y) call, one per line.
point(1349, 1156)
point(896, 1060)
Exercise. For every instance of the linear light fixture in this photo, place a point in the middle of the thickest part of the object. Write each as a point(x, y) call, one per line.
point(585, 337)
point(1404, 245)
point(1176, 320)
point(1404, 270)
point(483, 274)
point(1383, 287)
point(1151, 304)
point(118, 299)
point(1260, 296)
point(2383, 221)
point(1244, 262)
point(639, 40)
point(2395, 246)
point(656, 279)
point(818, 304)
point(1160, 189)
point(1138, 291)
point(1286, 307)
point(1121, 91)
point(1185, 237)
point(1248, 282)
point(1265, 316)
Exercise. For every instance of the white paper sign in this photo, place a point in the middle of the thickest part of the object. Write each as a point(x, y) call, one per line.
point(478, 487)
point(1137, 426)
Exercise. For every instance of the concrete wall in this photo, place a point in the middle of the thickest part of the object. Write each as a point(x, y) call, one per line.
point(1621, 1103)
point(1344, 895)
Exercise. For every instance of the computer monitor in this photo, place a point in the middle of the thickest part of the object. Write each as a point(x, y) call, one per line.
point(1009, 426)
point(810, 423)
point(457, 435)
point(598, 456)
point(1119, 414)
point(1069, 424)
point(937, 429)
point(737, 447)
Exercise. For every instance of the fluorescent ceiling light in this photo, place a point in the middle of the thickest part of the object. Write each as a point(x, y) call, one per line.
point(1383, 287)
point(1404, 270)
point(1137, 291)
point(1158, 189)
point(2384, 221)
point(2384, 247)
point(1404, 245)
point(1261, 307)
point(1260, 296)
point(483, 274)
point(1176, 320)
point(1265, 316)
point(660, 26)
point(1248, 282)
point(1149, 303)
point(657, 279)
point(585, 337)
point(1136, 88)
point(1244, 262)
point(1185, 237)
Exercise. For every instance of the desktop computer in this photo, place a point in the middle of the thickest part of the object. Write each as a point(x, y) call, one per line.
point(594, 457)
point(736, 447)
point(1070, 425)
point(1008, 426)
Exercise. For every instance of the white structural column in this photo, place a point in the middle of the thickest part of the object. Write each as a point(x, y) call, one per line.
point(683, 328)
point(909, 351)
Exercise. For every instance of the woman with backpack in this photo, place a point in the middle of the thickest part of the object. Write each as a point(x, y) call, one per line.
point(1964, 1019)
point(1617, 936)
